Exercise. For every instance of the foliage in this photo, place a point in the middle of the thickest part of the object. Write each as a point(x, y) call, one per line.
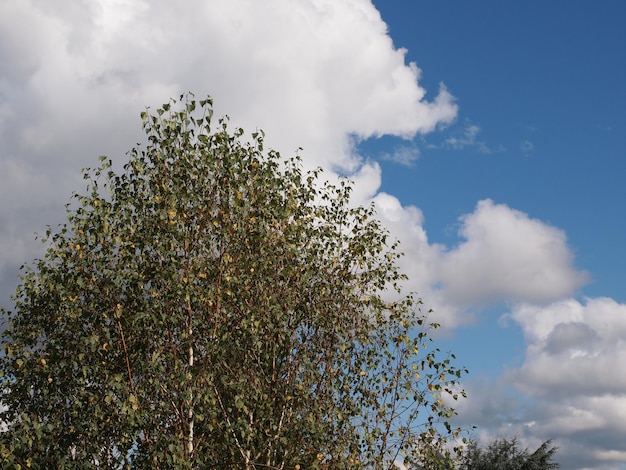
point(215, 306)
point(504, 454)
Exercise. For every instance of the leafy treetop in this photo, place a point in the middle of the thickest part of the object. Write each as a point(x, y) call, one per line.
point(215, 306)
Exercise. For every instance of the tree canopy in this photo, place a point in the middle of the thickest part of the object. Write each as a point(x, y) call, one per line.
point(213, 305)
point(505, 454)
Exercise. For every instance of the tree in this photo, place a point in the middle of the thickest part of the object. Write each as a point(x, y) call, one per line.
point(215, 306)
point(504, 454)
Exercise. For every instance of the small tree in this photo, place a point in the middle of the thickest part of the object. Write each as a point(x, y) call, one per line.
point(504, 454)
point(214, 306)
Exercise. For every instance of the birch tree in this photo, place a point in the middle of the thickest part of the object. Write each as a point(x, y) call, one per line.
point(213, 305)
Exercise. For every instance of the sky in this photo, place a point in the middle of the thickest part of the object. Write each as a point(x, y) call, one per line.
point(490, 135)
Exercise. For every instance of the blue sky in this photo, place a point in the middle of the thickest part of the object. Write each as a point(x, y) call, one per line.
point(551, 74)
point(545, 82)
point(490, 135)
point(543, 85)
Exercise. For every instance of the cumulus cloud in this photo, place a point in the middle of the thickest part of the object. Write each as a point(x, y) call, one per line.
point(75, 77)
point(290, 69)
point(406, 223)
point(503, 256)
point(574, 348)
point(506, 255)
point(570, 386)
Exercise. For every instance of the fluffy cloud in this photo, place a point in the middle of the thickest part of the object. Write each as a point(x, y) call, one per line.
point(574, 349)
point(76, 75)
point(570, 386)
point(507, 255)
point(503, 256)
point(288, 68)
point(406, 223)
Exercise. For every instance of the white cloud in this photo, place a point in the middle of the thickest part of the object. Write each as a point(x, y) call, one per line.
point(504, 256)
point(405, 155)
point(317, 74)
point(507, 255)
point(573, 348)
point(526, 147)
point(604, 316)
point(570, 385)
point(467, 137)
point(421, 258)
point(294, 62)
point(406, 223)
